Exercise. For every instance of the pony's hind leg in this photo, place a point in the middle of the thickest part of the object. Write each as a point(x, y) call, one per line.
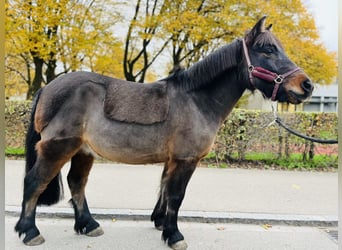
point(51, 156)
point(177, 176)
point(81, 164)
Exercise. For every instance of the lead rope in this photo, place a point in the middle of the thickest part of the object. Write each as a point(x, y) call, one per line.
point(309, 138)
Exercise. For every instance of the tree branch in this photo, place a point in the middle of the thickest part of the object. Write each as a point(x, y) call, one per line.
point(11, 69)
point(127, 71)
point(154, 58)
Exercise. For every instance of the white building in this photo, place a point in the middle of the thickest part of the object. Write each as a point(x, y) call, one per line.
point(324, 99)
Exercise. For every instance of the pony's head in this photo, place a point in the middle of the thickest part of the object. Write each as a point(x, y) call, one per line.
point(269, 68)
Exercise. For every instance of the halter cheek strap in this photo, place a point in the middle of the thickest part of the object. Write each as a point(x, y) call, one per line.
point(264, 74)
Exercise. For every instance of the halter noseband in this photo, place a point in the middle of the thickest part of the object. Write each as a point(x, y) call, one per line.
point(264, 74)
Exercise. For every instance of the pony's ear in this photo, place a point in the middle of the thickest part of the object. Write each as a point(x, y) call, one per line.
point(258, 28)
point(269, 27)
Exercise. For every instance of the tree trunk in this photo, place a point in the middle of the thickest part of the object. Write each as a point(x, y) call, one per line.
point(305, 151)
point(38, 77)
point(287, 146)
point(311, 151)
point(280, 144)
point(50, 71)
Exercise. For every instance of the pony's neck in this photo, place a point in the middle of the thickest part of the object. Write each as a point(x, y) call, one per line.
point(223, 84)
point(218, 101)
point(206, 71)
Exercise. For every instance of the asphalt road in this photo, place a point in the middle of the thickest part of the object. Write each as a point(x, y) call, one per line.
point(265, 210)
point(140, 235)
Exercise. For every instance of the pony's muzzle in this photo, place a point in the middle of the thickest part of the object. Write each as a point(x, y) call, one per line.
point(307, 87)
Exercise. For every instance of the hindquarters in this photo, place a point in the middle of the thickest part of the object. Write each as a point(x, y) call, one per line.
point(54, 137)
point(56, 130)
point(68, 98)
point(42, 185)
point(54, 190)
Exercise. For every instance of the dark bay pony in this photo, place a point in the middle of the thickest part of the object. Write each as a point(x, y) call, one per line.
point(174, 120)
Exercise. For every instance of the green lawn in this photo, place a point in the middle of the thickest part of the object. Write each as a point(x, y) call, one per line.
point(260, 160)
point(270, 160)
point(19, 152)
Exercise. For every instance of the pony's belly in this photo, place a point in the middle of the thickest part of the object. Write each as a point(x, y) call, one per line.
point(127, 145)
point(137, 159)
point(126, 155)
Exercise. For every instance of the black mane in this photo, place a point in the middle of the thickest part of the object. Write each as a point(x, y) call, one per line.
point(215, 64)
point(211, 67)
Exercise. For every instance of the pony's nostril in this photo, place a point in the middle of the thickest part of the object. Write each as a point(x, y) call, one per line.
point(307, 86)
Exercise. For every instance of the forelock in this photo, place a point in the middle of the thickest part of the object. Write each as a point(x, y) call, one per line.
point(267, 38)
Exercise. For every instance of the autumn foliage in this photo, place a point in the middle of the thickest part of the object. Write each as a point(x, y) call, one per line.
point(47, 38)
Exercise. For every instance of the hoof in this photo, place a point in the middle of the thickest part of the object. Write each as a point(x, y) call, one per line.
point(35, 241)
point(96, 232)
point(180, 245)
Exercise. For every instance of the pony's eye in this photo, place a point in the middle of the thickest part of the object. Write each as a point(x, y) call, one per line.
point(267, 50)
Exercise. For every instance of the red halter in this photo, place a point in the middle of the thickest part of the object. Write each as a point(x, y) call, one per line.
point(264, 74)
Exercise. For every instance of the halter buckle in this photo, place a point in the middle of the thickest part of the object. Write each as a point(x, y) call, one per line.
point(250, 68)
point(279, 79)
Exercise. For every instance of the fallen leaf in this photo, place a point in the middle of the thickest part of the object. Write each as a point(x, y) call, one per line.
point(267, 226)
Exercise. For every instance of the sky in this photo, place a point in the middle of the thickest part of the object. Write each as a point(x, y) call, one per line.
point(325, 13)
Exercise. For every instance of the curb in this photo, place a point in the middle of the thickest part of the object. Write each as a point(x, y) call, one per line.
point(189, 216)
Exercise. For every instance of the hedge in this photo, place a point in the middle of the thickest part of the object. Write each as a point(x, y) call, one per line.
point(244, 131)
point(17, 117)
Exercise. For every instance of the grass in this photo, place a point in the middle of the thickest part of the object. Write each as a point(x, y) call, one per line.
point(18, 152)
point(256, 160)
point(270, 160)
point(295, 161)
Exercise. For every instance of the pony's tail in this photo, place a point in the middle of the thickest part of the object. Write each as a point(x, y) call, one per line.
point(54, 191)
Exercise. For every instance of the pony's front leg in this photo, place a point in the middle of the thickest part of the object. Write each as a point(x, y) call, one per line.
point(81, 164)
point(159, 211)
point(177, 177)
